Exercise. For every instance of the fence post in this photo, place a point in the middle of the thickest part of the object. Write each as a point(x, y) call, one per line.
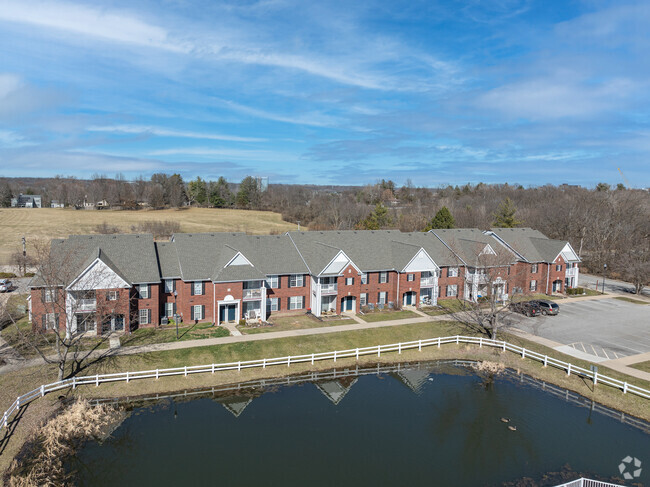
point(289, 361)
point(4, 419)
point(357, 354)
point(419, 345)
point(480, 342)
point(239, 366)
point(399, 348)
point(157, 374)
point(312, 359)
point(97, 380)
point(504, 345)
point(568, 370)
point(18, 402)
point(213, 368)
point(264, 363)
point(545, 360)
point(74, 381)
point(457, 340)
point(624, 387)
point(42, 391)
point(523, 353)
point(595, 378)
point(334, 355)
point(438, 342)
point(378, 350)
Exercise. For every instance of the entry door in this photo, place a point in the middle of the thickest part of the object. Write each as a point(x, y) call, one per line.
point(348, 304)
point(408, 299)
point(231, 312)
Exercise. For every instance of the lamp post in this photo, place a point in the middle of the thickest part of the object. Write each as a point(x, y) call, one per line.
point(604, 276)
point(175, 314)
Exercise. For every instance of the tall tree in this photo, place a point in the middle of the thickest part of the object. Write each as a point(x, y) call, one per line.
point(378, 219)
point(219, 194)
point(197, 191)
point(443, 219)
point(505, 215)
point(248, 195)
point(5, 195)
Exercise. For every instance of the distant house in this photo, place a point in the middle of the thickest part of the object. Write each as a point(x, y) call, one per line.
point(26, 201)
point(56, 204)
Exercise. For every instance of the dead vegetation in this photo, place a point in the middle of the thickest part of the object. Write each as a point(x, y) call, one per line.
point(487, 367)
point(43, 463)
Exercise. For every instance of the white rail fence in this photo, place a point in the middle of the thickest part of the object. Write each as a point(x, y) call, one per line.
point(317, 357)
point(583, 482)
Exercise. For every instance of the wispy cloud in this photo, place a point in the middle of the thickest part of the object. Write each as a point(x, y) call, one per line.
point(165, 132)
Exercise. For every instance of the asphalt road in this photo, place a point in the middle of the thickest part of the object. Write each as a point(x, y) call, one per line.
point(607, 329)
point(611, 285)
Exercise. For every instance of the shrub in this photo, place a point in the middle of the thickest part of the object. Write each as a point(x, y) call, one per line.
point(7, 275)
point(158, 229)
point(242, 322)
point(29, 274)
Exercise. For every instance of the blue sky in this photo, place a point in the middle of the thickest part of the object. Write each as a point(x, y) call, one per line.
point(328, 92)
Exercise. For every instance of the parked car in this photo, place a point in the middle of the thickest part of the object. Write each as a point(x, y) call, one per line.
point(527, 308)
point(5, 285)
point(547, 307)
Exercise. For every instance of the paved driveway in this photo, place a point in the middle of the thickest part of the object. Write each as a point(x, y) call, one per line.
point(611, 285)
point(604, 329)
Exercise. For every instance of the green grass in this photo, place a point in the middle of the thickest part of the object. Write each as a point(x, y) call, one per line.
point(630, 300)
point(297, 322)
point(387, 315)
point(149, 336)
point(528, 297)
point(644, 366)
point(587, 292)
point(445, 306)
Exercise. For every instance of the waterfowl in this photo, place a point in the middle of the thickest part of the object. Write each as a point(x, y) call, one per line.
point(505, 420)
point(512, 428)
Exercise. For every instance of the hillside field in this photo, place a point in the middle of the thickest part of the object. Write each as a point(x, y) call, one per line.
point(46, 223)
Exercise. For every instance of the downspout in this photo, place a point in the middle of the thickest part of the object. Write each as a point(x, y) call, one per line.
point(399, 302)
point(548, 274)
point(214, 303)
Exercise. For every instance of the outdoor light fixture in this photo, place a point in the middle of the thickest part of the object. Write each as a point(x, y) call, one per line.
point(175, 314)
point(604, 276)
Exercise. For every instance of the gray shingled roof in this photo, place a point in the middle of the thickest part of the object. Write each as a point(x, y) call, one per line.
point(468, 243)
point(168, 260)
point(531, 244)
point(132, 257)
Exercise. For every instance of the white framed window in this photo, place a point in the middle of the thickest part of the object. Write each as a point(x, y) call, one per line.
point(197, 288)
point(452, 271)
point(144, 315)
point(363, 298)
point(273, 282)
point(198, 312)
point(381, 297)
point(296, 280)
point(296, 302)
point(169, 286)
point(364, 278)
point(50, 321)
point(349, 281)
point(452, 290)
point(49, 295)
point(383, 277)
point(533, 285)
point(410, 277)
point(273, 304)
point(558, 267)
point(533, 269)
point(169, 310)
point(143, 291)
point(113, 295)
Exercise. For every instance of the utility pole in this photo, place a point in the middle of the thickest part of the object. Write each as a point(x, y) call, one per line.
point(604, 276)
point(298, 222)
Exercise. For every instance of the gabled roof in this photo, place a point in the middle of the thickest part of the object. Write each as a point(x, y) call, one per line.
point(469, 244)
point(99, 256)
point(168, 260)
point(532, 245)
point(131, 256)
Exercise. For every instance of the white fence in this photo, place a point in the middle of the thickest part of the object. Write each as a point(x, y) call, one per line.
point(583, 482)
point(316, 357)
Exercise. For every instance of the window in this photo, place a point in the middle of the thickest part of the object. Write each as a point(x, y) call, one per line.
point(383, 277)
point(364, 278)
point(381, 297)
point(197, 312)
point(197, 288)
point(169, 286)
point(364, 299)
point(410, 277)
point(296, 302)
point(50, 321)
point(113, 295)
point(533, 269)
point(349, 281)
point(144, 316)
point(452, 290)
point(296, 280)
point(273, 282)
point(49, 295)
point(170, 308)
point(452, 271)
point(143, 291)
point(533, 285)
point(558, 267)
point(273, 304)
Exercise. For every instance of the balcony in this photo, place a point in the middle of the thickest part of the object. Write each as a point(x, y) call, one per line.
point(253, 293)
point(427, 281)
point(329, 288)
point(87, 305)
point(572, 272)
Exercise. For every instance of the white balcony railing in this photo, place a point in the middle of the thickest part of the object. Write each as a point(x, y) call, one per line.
point(572, 272)
point(252, 293)
point(87, 305)
point(427, 281)
point(328, 288)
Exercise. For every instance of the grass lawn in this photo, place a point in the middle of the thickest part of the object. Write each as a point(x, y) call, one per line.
point(631, 300)
point(47, 223)
point(587, 292)
point(386, 315)
point(445, 306)
point(528, 297)
point(297, 322)
point(148, 336)
point(644, 366)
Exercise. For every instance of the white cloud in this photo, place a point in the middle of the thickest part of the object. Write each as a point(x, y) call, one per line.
point(266, 155)
point(314, 119)
point(12, 140)
point(8, 84)
point(163, 132)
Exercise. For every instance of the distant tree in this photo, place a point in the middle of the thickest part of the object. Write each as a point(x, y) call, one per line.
point(505, 215)
point(176, 191)
point(602, 187)
point(248, 195)
point(156, 196)
point(379, 218)
point(5, 195)
point(620, 187)
point(443, 219)
point(219, 194)
point(197, 191)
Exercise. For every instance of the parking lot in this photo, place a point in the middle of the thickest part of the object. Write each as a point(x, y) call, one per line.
point(604, 329)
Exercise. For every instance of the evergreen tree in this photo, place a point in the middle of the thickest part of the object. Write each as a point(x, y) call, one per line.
point(443, 219)
point(198, 191)
point(5, 195)
point(248, 195)
point(505, 215)
point(378, 219)
point(220, 195)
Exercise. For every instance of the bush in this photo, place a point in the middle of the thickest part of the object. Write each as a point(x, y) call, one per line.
point(158, 229)
point(242, 322)
point(575, 291)
point(29, 274)
point(7, 275)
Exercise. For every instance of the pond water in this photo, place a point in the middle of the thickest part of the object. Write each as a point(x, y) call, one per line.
point(424, 424)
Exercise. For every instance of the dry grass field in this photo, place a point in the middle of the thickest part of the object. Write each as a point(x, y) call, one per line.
point(46, 223)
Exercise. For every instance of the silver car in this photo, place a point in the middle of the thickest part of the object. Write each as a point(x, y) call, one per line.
point(5, 285)
point(547, 307)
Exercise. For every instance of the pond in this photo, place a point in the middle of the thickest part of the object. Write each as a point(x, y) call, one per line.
point(438, 423)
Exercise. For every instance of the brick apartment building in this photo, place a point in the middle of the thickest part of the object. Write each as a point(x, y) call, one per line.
point(119, 282)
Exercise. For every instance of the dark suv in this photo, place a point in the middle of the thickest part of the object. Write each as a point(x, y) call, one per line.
point(528, 308)
point(547, 307)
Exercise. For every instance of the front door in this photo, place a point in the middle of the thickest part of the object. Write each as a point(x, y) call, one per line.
point(408, 298)
point(231, 312)
point(348, 303)
point(227, 312)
